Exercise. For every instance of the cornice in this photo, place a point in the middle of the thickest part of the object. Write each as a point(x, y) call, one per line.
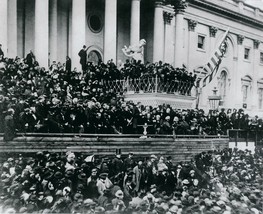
point(211, 7)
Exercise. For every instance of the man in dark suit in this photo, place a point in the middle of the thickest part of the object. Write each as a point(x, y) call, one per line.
point(83, 57)
point(68, 64)
point(30, 59)
point(9, 125)
point(1, 52)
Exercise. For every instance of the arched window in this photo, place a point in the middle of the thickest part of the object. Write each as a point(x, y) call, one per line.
point(246, 88)
point(94, 57)
point(223, 85)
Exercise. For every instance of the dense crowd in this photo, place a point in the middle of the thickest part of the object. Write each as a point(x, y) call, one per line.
point(226, 182)
point(59, 100)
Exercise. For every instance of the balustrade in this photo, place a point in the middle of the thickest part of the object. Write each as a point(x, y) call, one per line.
point(149, 85)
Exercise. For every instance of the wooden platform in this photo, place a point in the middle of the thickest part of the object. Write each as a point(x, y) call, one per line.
point(182, 149)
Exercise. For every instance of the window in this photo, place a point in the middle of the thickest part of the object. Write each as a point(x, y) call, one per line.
point(245, 93)
point(261, 57)
point(246, 53)
point(94, 57)
point(95, 23)
point(223, 85)
point(201, 42)
point(246, 88)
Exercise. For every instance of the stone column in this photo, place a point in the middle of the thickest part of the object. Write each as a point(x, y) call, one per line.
point(239, 75)
point(12, 28)
point(110, 30)
point(255, 52)
point(158, 32)
point(3, 24)
point(53, 33)
point(78, 30)
point(41, 32)
point(191, 43)
point(135, 22)
point(179, 38)
point(212, 32)
point(167, 16)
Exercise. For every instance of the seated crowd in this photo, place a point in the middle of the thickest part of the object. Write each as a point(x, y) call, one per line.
point(59, 100)
point(225, 182)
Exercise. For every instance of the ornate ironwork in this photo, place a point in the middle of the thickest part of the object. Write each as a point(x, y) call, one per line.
point(149, 85)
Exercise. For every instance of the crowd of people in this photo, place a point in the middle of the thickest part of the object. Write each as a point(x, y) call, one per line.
point(59, 100)
point(225, 182)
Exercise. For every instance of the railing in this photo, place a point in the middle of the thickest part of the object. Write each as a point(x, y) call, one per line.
point(240, 135)
point(149, 85)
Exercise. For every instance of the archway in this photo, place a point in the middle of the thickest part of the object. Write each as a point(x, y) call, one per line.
point(94, 55)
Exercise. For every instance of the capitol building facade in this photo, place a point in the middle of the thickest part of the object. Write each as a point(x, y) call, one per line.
point(54, 29)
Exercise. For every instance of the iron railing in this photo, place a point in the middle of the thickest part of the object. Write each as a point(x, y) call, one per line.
point(241, 135)
point(149, 85)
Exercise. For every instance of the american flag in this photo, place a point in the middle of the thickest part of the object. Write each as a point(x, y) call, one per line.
point(212, 66)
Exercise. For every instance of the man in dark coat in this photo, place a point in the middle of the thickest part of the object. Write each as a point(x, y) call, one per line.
point(1, 52)
point(30, 59)
point(83, 57)
point(9, 127)
point(68, 64)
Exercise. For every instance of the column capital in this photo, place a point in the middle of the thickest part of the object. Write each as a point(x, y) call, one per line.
point(256, 43)
point(167, 17)
point(213, 30)
point(240, 39)
point(191, 24)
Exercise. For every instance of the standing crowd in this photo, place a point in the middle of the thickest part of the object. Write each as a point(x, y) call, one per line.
point(63, 101)
point(225, 182)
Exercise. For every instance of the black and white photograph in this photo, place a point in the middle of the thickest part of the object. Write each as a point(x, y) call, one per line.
point(131, 106)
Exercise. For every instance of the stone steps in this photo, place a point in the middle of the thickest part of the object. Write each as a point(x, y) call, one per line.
point(181, 149)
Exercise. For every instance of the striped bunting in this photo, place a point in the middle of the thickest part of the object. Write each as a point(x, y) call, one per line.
point(212, 66)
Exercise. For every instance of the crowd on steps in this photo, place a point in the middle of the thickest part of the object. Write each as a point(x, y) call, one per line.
point(64, 101)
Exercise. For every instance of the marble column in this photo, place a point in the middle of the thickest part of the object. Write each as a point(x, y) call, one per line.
point(3, 24)
point(41, 32)
point(78, 30)
point(179, 38)
point(110, 31)
point(12, 28)
point(158, 32)
point(239, 75)
point(135, 22)
point(255, 53)
point(53, 33)
point(168, 50)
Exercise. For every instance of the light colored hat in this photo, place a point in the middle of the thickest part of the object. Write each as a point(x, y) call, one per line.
point(119, 193)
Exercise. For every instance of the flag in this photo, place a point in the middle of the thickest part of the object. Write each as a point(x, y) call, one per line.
point(214, 62)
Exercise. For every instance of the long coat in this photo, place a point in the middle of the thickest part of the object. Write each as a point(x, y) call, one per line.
point(9, 128)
